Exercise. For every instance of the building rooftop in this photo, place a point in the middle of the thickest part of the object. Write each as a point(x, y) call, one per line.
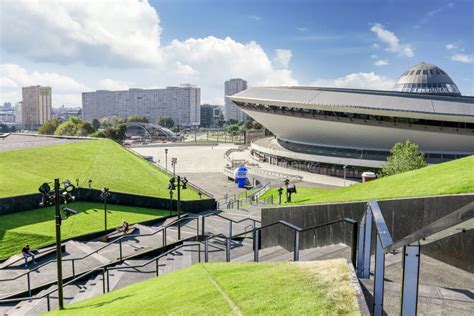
point(426, 78)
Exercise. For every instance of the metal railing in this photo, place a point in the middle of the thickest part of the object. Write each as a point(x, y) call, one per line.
point(119, 240)
point(456, 222)
point(105, 275)
point(297, 231)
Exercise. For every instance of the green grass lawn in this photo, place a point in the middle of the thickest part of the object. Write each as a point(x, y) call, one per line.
point(448, 178)
point(37, 228)
point(284, 288)
point(105, 162)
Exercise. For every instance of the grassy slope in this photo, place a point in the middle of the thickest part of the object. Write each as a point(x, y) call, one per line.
point(448, 178)
point(36, 227)
point(103, 161)
point(284, 288)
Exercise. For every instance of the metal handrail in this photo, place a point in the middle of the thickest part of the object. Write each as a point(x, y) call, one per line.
point(73, 260)
point(255, 231)
point(104, 270)
point(456, 222)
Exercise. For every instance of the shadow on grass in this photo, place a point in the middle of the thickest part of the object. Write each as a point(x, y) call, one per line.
point(98, 305)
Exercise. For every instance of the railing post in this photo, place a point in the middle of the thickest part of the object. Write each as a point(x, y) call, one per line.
point(379, 275)
point(103, 280)
point(230, 229)
point(199, 252)
point(206, 251)
point(48, 302)
point(367, 245)
point(410, 279)
point(157, 268)
point(227, 249)
point(197, 228)
point(163, 237)
point(203, 225)
point(166, 237)
point(108, 281)
point(360, 247)
point(296, 255)
point(73, 269)
point(355, 232)
point(120, 247)
point(255, 245)
point(29, 283)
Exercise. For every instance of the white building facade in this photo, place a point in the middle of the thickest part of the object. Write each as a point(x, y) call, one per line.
point(232, 111)
point(181, 103)
point(336, 127)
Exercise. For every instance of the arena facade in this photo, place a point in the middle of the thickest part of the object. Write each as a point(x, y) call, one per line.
point(326, 130)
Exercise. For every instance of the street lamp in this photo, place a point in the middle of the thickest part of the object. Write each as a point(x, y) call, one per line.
point(90, 183)
point(104, 195)
point(181, 184)
point(280, 192)
point(56, 198)
point(166, 159)
point(174, 161)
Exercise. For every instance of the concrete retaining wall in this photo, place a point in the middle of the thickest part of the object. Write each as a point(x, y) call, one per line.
point(31, 201)
point(403, 217)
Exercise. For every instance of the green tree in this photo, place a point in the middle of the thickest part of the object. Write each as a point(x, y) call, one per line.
point(68, 128)
point(96, 124)
point(105, 122)
point(232, 122)
point(49, 127)
point(117, 120)
point(233, 130)
point(137, 118)
point(115, 133)
point(403, 157)
point(85, 129)
point(165, 121)
point(256, 125)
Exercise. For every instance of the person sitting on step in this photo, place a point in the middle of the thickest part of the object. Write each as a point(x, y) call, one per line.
point(27, 253)
point(125, 227)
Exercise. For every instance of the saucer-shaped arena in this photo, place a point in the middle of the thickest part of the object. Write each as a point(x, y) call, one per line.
point(327, 130)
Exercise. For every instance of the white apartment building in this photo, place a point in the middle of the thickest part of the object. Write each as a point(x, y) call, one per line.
point(36, 106)
point(232, 87)
point(181, 103)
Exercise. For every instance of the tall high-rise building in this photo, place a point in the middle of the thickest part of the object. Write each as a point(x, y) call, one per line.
point(181, 103)
point(36, 106)
point(232, 87)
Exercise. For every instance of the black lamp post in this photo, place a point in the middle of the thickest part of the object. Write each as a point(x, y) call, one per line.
point(280, 192)
point(57, 197)
point(181, 184)
point(287, 181)
point(166, 158)
point(104, 195)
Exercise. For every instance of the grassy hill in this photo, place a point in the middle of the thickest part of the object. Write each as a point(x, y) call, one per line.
point(105, 162)
point(452, 177)
point(37, 227)
point(285, 288)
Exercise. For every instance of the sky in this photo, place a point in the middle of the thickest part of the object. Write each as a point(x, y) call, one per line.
point(80, 46)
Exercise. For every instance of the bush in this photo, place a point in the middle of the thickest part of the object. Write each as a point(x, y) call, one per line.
point(49, 127)
point(403, 157)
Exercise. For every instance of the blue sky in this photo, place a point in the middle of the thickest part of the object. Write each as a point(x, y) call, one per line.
point(360, 44)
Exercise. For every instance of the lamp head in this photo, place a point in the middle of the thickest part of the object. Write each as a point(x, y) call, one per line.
point(44, 188)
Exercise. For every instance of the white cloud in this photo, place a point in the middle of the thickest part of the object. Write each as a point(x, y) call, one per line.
point(255, 17)
point(450, 46)
point(375, 46)
point(282, 57)
point(302, 29)
point(381, 62)
point(123, 35)
point(463, 58)
point(373, 56)
point(95, 32)
point(110, 84)
point(392, 41)
point(360, 80)
point(65, 90)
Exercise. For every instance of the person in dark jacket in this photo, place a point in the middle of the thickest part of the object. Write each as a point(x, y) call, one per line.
point(27, 253)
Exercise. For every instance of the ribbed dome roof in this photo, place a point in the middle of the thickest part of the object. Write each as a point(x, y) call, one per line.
point(426, 78)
